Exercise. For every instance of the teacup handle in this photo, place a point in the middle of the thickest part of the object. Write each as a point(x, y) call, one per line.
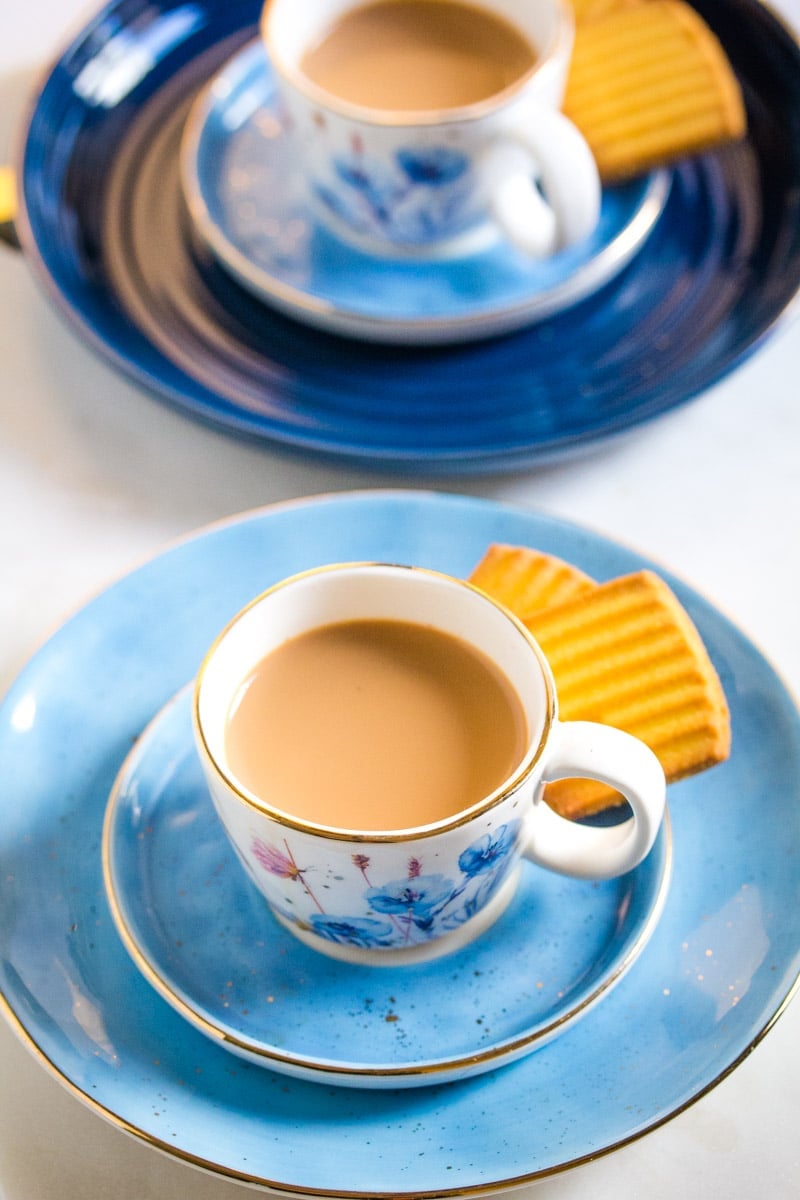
point(543, 182)
point(588, 750)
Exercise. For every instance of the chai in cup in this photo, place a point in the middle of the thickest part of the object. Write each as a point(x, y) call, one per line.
point(376, 739)
point(409, 55)
point(375, 725)
point(433, 127)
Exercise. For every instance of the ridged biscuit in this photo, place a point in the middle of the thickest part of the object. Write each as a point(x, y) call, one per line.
point(525, 580)
point(591, 10)
point(649, 83)
point(627, 654)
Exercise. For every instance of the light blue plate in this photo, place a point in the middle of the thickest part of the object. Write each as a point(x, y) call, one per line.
point(248, 201)
point(204, 937)
point(717, 971)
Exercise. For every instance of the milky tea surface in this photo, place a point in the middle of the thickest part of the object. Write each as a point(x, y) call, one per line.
point(374, 725)
point(407, 55)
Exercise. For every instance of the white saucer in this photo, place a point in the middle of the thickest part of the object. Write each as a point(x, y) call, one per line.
point(248, 203)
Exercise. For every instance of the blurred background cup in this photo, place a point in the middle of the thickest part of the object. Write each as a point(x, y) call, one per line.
point(422, 168)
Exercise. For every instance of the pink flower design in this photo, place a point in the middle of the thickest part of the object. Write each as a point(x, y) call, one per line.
point(361, 861)
point(414, 868)
point(283, 865)
point(274, 860)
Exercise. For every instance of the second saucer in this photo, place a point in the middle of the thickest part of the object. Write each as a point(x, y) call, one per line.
point(205, 939)
point(248, 203)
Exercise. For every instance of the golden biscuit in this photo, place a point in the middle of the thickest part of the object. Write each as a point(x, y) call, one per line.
point(627, 654)
point(591, 10)
point(525, 580)
point(650, 83)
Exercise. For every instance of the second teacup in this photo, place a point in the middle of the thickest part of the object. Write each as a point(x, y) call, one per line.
point(375, 739)
point(434, 125)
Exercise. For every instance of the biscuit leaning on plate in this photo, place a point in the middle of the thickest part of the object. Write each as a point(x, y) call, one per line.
point(649, 83)
point(625, 653)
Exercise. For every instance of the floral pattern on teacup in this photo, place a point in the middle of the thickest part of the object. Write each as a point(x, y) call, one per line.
point(400, 912)
point(413, 197)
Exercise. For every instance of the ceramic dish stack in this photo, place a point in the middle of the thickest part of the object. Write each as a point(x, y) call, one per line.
point(454, 1090)
point(160, 266)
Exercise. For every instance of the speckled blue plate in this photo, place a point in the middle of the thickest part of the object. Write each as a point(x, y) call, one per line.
point(248, 201)
point(202, 935)
point(104, 225)
point(720, 966)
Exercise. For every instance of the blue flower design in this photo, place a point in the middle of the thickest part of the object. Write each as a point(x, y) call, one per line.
point(365, 932)
point(418, 899)
point(355, 173)
point(377, 186)
point(433, 167)
point(341, 206)
point(489, 851)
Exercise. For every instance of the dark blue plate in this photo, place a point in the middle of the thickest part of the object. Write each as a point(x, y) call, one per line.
point(104, 225)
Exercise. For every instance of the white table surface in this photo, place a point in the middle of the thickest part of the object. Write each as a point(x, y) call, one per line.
point(96, 475)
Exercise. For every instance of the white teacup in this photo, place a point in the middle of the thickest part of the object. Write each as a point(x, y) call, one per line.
point(403, 894)
point(449, 180)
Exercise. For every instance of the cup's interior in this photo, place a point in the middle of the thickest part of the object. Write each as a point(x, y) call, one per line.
point(287, 37)
point(290, 29)
point(365, 591)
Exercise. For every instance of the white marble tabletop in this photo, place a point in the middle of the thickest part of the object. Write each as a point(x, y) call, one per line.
point(95, 475)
